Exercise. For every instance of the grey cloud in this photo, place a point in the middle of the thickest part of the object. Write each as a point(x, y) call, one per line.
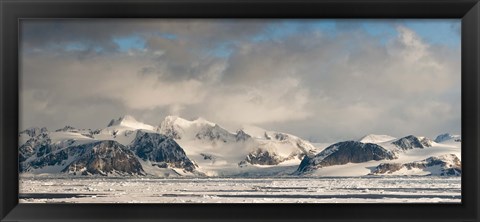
point(312, 84)
point(100, 32)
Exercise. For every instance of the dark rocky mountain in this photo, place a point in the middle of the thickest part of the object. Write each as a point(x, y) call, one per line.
point(99, 157)
point(411, 142)
point(446, 165)
point(215, 133)
point(159, 148)
point(343, 153)
point(103, 158)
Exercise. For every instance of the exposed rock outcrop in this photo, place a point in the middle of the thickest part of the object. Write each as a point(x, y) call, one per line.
point(445, 165)
point(159, 148)
point(343, 153)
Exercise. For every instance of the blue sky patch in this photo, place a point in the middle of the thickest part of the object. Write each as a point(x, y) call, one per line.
point(130, 42)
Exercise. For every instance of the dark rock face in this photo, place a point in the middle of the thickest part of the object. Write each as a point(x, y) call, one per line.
point(38, 151)
point(35, 131)
point(160, 148)
point(39, 143)
point(51, 159)
point(343, 153)
point(67, 129)
point(267, 136)
point(387, 168)
point(442, 137)
point(106, 157)
point(307, 164)
point(281, 136)
point(449, 165)
point(411, 142)
point(84, 132)
point(207, 156)
point(215, 133)
point(262, 157)
point(170, 131)
point(242, 136)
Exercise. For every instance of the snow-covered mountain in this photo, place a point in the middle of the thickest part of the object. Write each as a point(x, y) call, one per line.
point(218, 151)
point(405, 155)
point(70, 150)
point(176, 147)
point(180, 147)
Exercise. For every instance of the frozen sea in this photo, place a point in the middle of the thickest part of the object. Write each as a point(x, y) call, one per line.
point(402, 189)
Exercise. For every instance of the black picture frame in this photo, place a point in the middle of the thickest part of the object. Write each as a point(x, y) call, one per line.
point(12, 11)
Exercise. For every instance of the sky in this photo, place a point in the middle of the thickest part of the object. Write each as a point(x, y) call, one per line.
point(323, 80)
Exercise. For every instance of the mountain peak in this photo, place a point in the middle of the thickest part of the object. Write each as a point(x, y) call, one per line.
point(203, 121)
point(34, 131)
point(375, 138)
point(175, 119)
point(169, 120)
point(129, 121)
point(411, 141)
point(66, 129)
point(446, 136)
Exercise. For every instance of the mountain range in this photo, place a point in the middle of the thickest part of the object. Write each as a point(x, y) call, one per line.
point(200, 148)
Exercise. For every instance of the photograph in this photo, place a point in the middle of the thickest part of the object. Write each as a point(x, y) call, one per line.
point(219, 110)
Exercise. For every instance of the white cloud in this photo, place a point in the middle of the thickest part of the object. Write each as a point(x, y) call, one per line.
point(276, 101)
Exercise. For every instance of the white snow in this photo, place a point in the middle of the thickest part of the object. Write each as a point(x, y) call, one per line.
point(130, 122)
point(374, 138)
point(123, 130)
point(57, 137)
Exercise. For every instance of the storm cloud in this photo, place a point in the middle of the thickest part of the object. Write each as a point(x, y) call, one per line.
point(321, 80)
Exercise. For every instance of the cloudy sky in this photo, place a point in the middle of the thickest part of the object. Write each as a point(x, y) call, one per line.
point(323, 80)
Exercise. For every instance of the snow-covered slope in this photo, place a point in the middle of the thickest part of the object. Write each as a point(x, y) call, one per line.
point(374, 138)
point(129, 122)
point(179, 128)
point(122, 130)
point(218, 151)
